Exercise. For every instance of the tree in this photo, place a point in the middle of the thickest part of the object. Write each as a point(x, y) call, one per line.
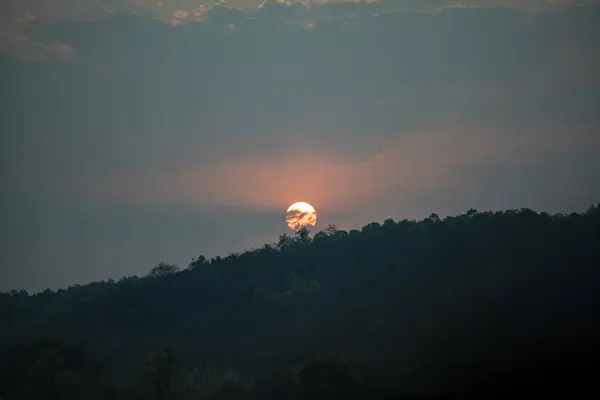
point(198, 262)
point(161, 377)
point(284, 241)
point(163, 269)
point(433, 217)
point(230, 390)
point(329, 231)
point(326, 380)
point(302, 235)
point(274, 384)
point(51, 370)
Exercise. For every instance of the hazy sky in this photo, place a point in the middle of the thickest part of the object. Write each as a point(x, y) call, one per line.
point(134, 132)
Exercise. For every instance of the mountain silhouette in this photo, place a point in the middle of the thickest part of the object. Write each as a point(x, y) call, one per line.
point(483, 303)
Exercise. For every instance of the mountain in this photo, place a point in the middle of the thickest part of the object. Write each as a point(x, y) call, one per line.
point(428, 308)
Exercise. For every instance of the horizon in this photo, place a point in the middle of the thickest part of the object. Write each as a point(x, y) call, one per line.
point(273, 244)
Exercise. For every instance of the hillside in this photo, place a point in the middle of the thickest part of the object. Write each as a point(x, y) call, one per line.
point(417, 308)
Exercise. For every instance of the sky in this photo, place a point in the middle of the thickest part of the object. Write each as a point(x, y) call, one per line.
point(135, 132)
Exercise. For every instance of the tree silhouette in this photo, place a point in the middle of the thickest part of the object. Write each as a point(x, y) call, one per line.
point(416, 308)
point(161, 377)
point(199, 262)
point(163, 269)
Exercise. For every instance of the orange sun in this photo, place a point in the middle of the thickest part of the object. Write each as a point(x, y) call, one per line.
point(299, 215)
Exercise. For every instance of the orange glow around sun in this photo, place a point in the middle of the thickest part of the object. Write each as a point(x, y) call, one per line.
point(300, 215)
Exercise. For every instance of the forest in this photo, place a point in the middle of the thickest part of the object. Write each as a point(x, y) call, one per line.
point(482, 304)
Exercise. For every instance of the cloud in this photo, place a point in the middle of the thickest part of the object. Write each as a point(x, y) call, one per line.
point(22, 47)
point(198, 100)
point(421, 163)
point(80, 9)
point(301, 13)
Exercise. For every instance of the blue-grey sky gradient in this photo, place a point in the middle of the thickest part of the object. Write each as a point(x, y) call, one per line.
point(139, 132)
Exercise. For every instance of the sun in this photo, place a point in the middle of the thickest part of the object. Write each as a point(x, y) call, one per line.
point(300, 215)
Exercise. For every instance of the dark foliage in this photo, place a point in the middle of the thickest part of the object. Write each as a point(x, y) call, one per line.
point(481, 304)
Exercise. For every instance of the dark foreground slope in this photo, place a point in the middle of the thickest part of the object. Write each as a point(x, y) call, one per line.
point(482, 303)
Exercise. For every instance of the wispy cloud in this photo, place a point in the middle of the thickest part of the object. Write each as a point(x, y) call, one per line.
point(16, 40)
point(22, 47)
point(415, 164)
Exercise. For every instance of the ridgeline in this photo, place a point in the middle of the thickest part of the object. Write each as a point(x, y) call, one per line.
point(488, 304)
